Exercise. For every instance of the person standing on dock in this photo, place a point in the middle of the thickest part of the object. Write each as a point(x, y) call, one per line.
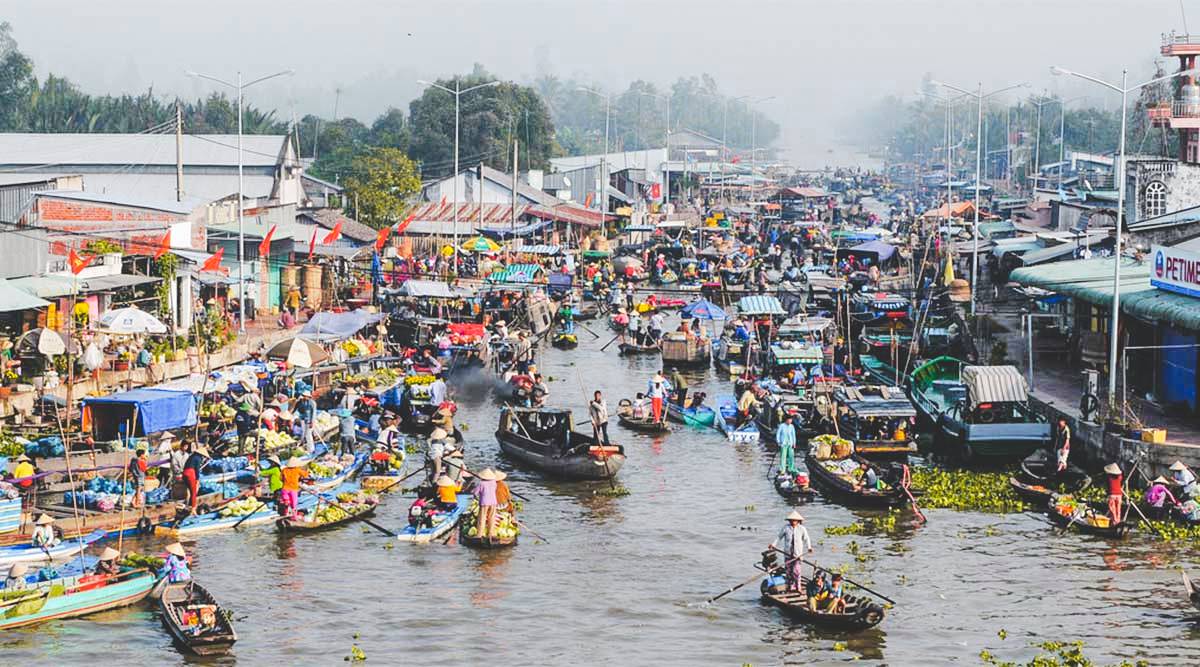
point(1115, 491)
point(793, 542)
point(785, 437)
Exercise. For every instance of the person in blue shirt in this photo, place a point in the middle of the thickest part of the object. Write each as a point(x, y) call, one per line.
point(870, 479)
point(740, 332)
point(175, 569)
point(816, 590)
point(306, 412)
point(785, 437)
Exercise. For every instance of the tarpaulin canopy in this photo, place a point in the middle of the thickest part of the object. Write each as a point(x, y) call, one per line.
point(760, 305)
point(501, 233)
point(13, 298)
point(515, 273)
point(877, 251)
point(703, 309)
point(435, 289)
point(788, 354)
point(994, 384)
point(539, 249)
point(338, 326)
point(150, 410)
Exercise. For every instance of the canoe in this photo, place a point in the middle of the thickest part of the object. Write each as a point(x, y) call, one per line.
point(725, 419)
point(643, 424)
point(199, 524)
point(860, 613)
point(293, 525)
point(476, 542)
point(543, 438)
point(1041, 468)
point(837, 487)
point(702, 417)
point(73, 568)
point(27, 553)
point(1192, 593)
point(182, 600)
point(1090, 518)
point(77, 596)
point(631, 349)
point(565, 341)
point(787, 487)
point(446, 521)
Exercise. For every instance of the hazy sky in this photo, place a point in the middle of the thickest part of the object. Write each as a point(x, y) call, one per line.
point(820, 58)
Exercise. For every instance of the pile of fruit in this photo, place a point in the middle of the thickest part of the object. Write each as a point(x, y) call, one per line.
point(10, 446)
point(273, 440)
point(218, 411)
point(240, 507)
point(327, 466)
point(135, 559)
point(356, 348)
point(418, 379)
point(324, 422)
point(506, 523)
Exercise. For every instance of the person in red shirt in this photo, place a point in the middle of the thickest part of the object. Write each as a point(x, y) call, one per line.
point(1115, 483)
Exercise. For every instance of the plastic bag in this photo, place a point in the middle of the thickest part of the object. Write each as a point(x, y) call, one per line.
point(93, 357)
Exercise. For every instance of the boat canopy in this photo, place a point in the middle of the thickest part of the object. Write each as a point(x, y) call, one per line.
point(994, 384)
point(760, 305)
point(328, 326)
point(149, 410)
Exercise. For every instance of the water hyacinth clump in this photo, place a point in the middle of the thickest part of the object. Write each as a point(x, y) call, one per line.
point(966, 490)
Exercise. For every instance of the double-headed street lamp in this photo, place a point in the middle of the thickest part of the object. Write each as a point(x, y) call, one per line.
point(1119, 175)
point(603, 194)
point(239, 87)
point(979, 98)
point(457, 93)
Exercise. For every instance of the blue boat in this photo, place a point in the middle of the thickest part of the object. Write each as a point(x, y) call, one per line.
point(446, 521)
point(73, 568)
point(326, 483)
point(209, 522)
point(702, 417)
point(726, 420)
point(76, 596)
point(27, 553)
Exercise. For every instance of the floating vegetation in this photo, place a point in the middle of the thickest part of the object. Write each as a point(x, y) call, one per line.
point(1171, 531)
point(1055, 654)
point(614, 492)
point(966, 490)
point(356, 654)
point(868, 526)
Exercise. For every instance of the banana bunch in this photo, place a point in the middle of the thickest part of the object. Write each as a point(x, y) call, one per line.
point(418, 379)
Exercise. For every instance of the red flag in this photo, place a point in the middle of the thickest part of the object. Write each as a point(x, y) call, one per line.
point(404, 223)
point(382, 238)
point(333, 234)
point(264, 248)
point(78, 263)
point(213, 263)
point(443, 202)
point(588, 202)
point(164, 246)
point(312, 243)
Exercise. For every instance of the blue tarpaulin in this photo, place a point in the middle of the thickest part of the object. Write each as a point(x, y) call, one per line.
point(150, 410)
point(337, 326)
point(501, 233)
point(703, 309)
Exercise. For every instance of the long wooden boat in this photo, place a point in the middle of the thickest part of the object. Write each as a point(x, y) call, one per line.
point(76, 596)
point(1038, 480)
point(787, 486)
point(881, 372)
point(176, 606)
point(444, 523)
point(1192, 593)
point(643, 424)
point(839, 487)
point(334, 481)
point(210, 522)
point(632, 349)
point(860, 613)
point(978, 412)
point(296, 525)
point(1086, 517)
point(701, 417)
point(544, 438)
point(725, 421)
point(27, 553)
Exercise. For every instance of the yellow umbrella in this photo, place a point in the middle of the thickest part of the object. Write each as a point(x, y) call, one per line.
point(481, 244)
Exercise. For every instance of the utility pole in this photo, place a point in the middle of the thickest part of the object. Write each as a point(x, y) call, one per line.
point(513, 219)
point(178, 152)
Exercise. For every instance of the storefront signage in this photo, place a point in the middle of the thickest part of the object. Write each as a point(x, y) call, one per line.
point(1175, 270)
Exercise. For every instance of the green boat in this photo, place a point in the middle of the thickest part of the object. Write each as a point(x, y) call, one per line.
point(980, 413)
point(880, 372)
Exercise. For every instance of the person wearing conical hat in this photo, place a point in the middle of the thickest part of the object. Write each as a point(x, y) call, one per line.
point(24, 472)
point(1116, 484)
point(1157, 496)
point(447, 493)
point(175, 569)
point(44, 536)
point(289, 493)
point(793, 542)
point(436, 452)
point(1185, 478)
point(485, 493)
point(15, 581)
point(108, 565)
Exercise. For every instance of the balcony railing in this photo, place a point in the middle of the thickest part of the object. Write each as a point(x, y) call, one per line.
point(1175, 39)
point(1177, 109)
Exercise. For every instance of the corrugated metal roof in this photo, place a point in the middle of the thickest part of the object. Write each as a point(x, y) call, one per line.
point(760, 305)
point(122, 199)
point(61, 151)
point(50, 286)
point(13, 298)
point(427, 289)
point(994, 384)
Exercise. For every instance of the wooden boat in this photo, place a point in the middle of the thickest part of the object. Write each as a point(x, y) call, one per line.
point(27, 553)
point(772, 413)
point(296, 525)
point(1087, 517)
point(880, 372)
point(1038, 480)
point(177, 605)
point(725, 421)
point(478, 542)
point(1193, 594)
point(838, 486)
point(210, 522)
point(870, 413)
point(683, 351)
point(979, 413)
point(701, 417)
point(643, 424)
point(75, 596)
point(544, 438)
point(730, 355)
point(565, 341)
point(860, 613)
point(444, 523)
point(631, 349)
point(789, 487)
point(334, 481)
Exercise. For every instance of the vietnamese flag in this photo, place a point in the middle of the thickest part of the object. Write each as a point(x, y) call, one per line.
point(312, 243)
point(333, 234)
point(382, 238)
point(264, 248)
point(164, 246)
point(213, 263)
point(78, 263)
point(404, 223)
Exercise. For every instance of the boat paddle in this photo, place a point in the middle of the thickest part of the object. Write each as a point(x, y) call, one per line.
point(402, 479)
point(261, 505)
point(848, 580)
point(531, 531)
point(353, 515)
point(756, 577)
point(614, 339)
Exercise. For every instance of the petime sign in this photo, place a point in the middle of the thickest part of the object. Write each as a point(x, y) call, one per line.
point(1175, 270)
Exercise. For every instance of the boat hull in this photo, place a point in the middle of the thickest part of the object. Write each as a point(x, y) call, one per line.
point(447, 521)
point(213, 643)
point(129, 591)
point(702, 418)
point(861, 613)
point(571, 466)
point(835, 488)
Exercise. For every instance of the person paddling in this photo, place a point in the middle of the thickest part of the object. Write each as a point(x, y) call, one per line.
point(793, 542)
point(1115, 491)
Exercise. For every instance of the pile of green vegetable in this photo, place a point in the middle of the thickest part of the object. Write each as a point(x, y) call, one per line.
point(966, 490)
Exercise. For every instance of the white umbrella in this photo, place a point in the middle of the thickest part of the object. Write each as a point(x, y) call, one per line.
point(298, 352)
point(131, 320)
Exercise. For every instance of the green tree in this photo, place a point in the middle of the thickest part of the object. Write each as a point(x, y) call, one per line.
point(381, 181)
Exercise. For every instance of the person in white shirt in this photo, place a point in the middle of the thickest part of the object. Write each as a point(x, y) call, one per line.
point(437, 391)
point(793, 542)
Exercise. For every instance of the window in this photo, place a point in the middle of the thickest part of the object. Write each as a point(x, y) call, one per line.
point(1154, 199)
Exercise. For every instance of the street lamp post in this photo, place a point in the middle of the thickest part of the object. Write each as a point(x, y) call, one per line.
point(1119, 174)
point(666, 172)
point(239, 87)
point(457, 92)
point(1037, 137)
point(603, 194)
point(754, 142)
point(979, 98)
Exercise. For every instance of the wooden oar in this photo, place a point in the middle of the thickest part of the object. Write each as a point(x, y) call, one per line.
point(614, 339)
point(355, 516)
point(402, 479)
point(531, 531)
point(731, 589)
point(848, 580)
point(588, 330)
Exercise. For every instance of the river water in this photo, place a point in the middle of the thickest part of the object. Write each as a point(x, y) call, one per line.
point(622, 579)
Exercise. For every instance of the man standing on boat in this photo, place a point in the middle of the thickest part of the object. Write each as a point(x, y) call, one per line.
point(598, 411)
point(681, 387)
point(1062, 443)
point(793, 542)
point(785, 437)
